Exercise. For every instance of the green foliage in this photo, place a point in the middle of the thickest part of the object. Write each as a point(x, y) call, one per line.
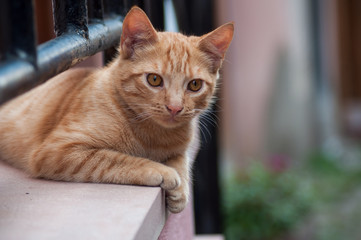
point(321, 197)
point(331, 179)
point(337, 209)
point(260, 204)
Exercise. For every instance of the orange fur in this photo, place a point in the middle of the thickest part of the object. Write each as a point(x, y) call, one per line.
point(109, 125)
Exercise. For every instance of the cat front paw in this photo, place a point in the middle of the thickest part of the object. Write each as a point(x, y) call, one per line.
point(166, 177)
point(171, 179)
point(177, 199)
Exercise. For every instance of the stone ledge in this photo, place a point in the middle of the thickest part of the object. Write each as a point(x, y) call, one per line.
point(209, 237)
point(41, 209)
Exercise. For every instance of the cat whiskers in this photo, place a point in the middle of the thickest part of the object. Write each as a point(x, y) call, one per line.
point(141, 117)
point(207, 118)
point(140, 111)
point(204, 131)
point(210, 117)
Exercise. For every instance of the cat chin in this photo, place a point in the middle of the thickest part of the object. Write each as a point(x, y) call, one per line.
point(169, 122)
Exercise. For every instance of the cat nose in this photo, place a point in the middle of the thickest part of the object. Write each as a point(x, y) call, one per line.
point(174, 110)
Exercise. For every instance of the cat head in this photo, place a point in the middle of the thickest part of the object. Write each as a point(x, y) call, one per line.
point(168, 77)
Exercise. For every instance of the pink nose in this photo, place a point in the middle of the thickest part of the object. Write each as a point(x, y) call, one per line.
point(174, 110)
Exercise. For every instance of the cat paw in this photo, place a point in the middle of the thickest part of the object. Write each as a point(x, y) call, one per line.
point(167, 178)
point(171, 179)
point(176, 200)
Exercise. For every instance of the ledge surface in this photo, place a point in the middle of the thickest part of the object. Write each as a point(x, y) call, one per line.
point(41, 209)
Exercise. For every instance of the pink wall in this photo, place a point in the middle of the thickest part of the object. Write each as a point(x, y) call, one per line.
point(249, 70)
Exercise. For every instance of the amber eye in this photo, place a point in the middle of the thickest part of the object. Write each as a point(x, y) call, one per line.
point(195, 85)
point(154, 80)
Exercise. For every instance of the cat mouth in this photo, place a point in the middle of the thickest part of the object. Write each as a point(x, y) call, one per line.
point(169, 121)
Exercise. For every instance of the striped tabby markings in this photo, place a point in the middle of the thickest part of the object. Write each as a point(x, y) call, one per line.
point(106, 170)
point(84, 161)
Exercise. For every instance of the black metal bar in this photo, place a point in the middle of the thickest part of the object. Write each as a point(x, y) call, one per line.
point(206, 181)
point(17, 34)
point(5, 29)
point(131, 3)
point(95, 11)
point(194, 16)
point(23, 34)
point(55, 56)
point(113, 7)
point(155, 12)
point(70, 16)
point(183, 19)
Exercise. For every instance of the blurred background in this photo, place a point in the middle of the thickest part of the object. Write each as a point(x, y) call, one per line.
point(280, 155)
point(290, 120)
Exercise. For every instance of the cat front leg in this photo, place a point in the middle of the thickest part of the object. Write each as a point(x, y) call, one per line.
point(82, 164)
point(178, 197)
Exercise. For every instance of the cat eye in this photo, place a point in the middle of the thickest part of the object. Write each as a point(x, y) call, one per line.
point(195, 85)
point(154, 80)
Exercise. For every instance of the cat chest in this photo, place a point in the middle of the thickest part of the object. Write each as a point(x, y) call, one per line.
point(159, 154)
point(156, 147)
point(154, 152)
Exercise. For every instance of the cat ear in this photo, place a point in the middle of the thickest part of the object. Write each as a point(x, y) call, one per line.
point(216, 43)
point(137, 31)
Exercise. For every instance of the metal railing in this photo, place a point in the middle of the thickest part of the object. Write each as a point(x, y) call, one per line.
point(82, 27)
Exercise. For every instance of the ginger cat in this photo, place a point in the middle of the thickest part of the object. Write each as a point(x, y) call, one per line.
point(128, 123)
